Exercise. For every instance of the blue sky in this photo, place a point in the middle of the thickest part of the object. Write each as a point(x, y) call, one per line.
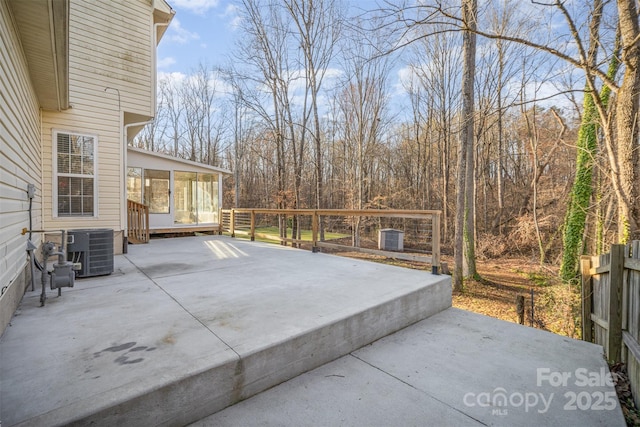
point(204, 31)
point(201, 31)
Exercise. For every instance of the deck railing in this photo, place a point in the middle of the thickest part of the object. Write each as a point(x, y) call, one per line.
point(426, 224)
point(137, 222)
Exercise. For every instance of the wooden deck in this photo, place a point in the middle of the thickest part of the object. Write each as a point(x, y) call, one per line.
point(211, 228)
point(137, 222)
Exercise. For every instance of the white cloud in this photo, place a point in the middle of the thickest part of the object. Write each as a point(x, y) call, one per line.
point(174, 78)
point(199, 7)
point(232, 12)
point(166, 62)
point(179, 34)
point(406, 78)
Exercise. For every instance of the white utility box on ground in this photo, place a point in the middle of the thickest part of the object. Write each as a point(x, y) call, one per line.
point(390, 239)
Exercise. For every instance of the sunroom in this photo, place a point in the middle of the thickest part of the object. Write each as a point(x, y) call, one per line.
point(181, 195)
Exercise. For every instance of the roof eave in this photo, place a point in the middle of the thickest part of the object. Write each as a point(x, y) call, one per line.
point(43, 29)
point(179, 160)
point(162, 16)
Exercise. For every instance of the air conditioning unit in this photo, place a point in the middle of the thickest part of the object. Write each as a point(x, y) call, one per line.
point(93, 249)
point(390, 239)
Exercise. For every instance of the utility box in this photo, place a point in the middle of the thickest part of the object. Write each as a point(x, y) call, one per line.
point(93, 249)
point(390, 239)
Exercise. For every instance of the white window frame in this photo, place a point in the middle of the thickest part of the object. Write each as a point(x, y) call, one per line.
point(54, 189)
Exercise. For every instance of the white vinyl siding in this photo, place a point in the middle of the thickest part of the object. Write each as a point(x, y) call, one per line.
point(19, 162)
point(110, 78)
point(111, 46)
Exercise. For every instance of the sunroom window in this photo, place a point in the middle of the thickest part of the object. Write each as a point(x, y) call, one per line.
point(195, 198)
point(134, 184)
point(156, 191)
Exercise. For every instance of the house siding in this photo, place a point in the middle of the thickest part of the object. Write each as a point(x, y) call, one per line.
point(110, 46)
point(19, 165)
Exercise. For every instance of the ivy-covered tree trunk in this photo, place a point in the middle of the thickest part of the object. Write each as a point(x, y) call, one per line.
point(582, 190)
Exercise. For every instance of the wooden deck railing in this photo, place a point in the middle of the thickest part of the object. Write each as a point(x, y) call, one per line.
point(243, 221)
point(137, 222)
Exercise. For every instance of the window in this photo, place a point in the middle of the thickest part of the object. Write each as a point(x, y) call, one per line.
point(207, 198)
point(195, 198)
point(184, 198)
point(75, 174)
point(156, 191)
point(134, 184)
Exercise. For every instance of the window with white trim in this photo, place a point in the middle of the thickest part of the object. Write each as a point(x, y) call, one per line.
point(74, 170)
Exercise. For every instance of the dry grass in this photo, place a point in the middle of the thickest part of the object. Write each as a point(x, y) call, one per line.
point(556, 305)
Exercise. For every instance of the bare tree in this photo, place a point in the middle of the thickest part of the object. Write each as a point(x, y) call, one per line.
point(436, 63)
point(266, 52)
point(362, 106)
point(619, 130)
point(170, 98)
point(318, 24)
point(465, 214)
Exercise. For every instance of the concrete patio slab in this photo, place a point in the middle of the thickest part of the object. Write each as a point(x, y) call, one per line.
point(346, 392)
point(187, 326)
point(455, 368)
point(97, 345)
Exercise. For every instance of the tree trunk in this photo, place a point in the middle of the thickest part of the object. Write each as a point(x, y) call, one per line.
point(627, 121)
point(469, 11)
point(464, 239)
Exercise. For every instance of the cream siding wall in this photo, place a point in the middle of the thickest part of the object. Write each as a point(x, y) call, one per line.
point(19, 165)
point(110, 46)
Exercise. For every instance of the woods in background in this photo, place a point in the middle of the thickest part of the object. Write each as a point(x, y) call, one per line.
point(328, 106)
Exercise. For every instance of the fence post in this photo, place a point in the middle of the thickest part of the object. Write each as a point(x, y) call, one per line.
point(435, 243)
point(146, 223)
point(520, 308)
point(615, 302)
point(314, 231)
point(586, 291)
point(253, 225)
point(232, 222)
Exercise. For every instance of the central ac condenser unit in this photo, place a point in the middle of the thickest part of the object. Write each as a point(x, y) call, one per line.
point(93, 249)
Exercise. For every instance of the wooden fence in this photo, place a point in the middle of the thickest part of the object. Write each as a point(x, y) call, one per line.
point(242, 220)
point(611, 306)
point(137, 222)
